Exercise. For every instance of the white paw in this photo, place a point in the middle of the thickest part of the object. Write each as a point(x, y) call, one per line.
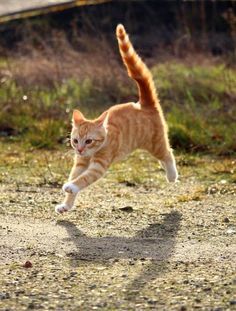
point(70, 188)
point(62, 208)
point(172, 176)
point(171, 171)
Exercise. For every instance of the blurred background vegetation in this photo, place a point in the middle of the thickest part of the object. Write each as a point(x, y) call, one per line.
point(55, 62)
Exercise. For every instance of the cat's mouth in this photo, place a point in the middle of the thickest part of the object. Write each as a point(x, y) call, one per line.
point(80, 153)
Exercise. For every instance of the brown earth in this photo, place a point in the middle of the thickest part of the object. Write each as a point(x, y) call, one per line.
point(144, 245)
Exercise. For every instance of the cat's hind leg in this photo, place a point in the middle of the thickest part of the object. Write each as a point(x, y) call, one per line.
point(164, 154)
point(169, 165)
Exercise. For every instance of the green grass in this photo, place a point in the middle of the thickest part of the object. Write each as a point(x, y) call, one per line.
point(52, 167)
point(199, 104)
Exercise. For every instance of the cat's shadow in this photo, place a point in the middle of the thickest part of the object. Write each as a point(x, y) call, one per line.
point(155, 243)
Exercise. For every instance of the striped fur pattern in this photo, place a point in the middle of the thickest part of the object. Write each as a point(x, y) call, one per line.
point(119, 130)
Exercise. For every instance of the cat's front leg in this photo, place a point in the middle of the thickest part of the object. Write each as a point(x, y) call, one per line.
point(80, 165)
point(96, 170)
point(67, 204)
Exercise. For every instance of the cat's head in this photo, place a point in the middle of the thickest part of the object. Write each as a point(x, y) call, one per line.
point(87, 136)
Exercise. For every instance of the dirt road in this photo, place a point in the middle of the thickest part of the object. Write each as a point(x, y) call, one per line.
point(143, 245)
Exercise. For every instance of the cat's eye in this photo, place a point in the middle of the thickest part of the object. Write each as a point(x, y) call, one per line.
point(75, 141)
point(88, 141)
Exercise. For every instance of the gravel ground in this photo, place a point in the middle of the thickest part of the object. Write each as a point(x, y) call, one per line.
point(143, 245)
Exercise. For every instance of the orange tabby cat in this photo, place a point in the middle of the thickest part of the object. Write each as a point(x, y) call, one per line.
point(119, 130)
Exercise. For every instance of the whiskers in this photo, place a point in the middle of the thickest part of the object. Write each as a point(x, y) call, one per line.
point(70, 152)
point(66, 141)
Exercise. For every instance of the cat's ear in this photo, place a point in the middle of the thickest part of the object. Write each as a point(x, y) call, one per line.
point(77, 117)
point(102, 120)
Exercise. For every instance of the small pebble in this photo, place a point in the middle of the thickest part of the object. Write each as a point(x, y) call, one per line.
point(27, 264)
point(127, 209)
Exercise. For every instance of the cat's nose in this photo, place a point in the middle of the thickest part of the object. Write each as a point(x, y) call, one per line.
point(80, 149)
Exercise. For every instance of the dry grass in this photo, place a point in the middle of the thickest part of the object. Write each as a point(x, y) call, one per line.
point(50, 63)
point(46, 78)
